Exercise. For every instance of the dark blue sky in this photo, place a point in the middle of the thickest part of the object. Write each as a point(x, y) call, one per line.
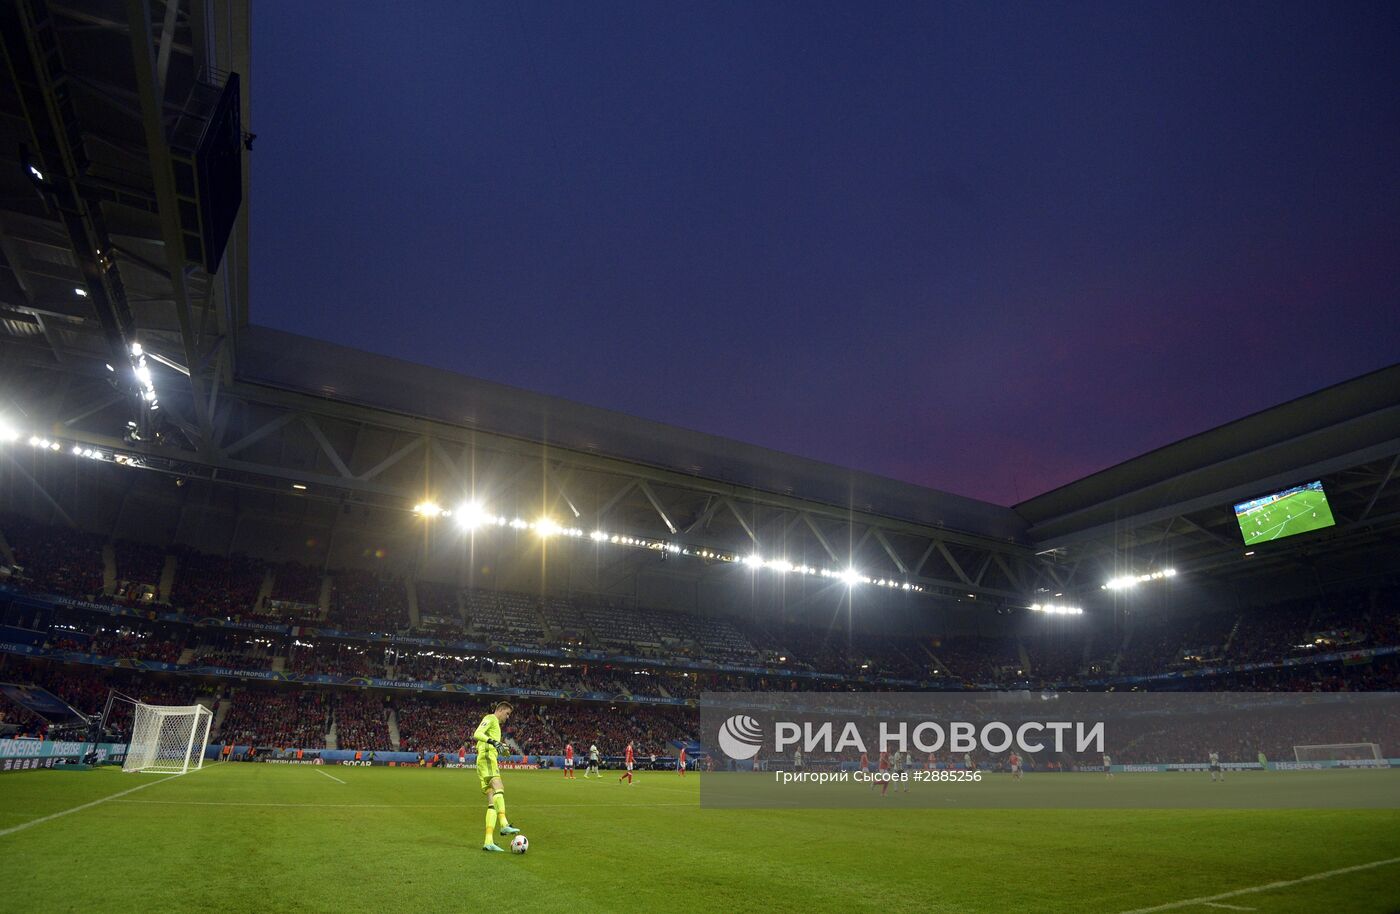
point(988, 248)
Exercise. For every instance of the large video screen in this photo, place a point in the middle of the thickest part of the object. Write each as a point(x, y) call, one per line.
point(1287, 513)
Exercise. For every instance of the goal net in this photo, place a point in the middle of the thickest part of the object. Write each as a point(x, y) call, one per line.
point(1337, 752)
point(168, 738)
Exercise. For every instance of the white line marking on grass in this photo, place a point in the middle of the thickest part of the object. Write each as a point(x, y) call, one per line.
point(401, 805)
point(1267, 887)
point(50, 817)
point(331, 776)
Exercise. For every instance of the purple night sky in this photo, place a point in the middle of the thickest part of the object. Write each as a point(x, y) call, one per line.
point(988, 248)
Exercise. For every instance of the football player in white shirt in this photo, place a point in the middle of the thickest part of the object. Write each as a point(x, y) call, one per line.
point(593, 763)
point(1107, 765)
point(967, 760)
point(1216, 772)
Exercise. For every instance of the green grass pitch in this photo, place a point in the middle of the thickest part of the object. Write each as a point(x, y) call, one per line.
point(247, 837)
point(1298, 513)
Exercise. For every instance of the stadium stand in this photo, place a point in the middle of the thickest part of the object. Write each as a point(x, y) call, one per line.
point(335, 658)
point(208, 586)
point(138, 563)
point(362, 601)
point(361, 721)
point(1144, 648)
point(295, 582)
point(291, 718)
point(55, 559)
point(513, 617)
point(438, 608)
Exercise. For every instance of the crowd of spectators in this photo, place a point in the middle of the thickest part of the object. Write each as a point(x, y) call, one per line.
point(440, 724)
point(335, 658)
point(427, 665)
point(246, 656)
point(16, 722)
point(446, 724)
point(138, 563)
point(119, 642)
point(215, 586)
point(283, 718)
point(55, 559)
point(361, 721)
point(362, 601)
point(297, 583)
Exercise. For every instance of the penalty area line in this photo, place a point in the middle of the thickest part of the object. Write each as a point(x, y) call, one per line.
point(1209, 900)
point(331, 776)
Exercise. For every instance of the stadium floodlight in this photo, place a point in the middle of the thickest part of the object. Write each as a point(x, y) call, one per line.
point(428, 509)
point(1124, 582)
point(851, 577)
point(36, 172)
point(598, 536)
point(136, 350)
point(472, 515)
point(8, 433)
point(80, 292)
point(545, 528)
point(1056, 609)
point(754, 561)
point(782, 566)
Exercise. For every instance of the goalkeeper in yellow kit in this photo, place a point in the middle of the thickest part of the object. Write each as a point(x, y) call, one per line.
point(488, 743)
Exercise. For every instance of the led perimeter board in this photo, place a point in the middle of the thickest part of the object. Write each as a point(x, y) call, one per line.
point(1285, 513)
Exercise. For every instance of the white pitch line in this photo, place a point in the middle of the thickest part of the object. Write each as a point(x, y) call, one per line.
point(331, 776)
point(51, 816)
point(1268, 887)
point(401, 805)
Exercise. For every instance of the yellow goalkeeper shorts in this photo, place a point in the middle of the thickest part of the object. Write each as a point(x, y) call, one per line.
point(485, 772)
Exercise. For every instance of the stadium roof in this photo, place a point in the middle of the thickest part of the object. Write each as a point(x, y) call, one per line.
point(283, 360)
point(1174, 504)
point(110, 150)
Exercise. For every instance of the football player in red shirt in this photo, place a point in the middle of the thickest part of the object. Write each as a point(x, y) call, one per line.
point(627, 759)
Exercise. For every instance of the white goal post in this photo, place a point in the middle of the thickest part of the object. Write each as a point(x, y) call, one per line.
point(1337, 752)
point(168, 739)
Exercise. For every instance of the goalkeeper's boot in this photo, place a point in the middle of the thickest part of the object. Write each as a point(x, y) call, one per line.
point(495, 849)
point(509, 830)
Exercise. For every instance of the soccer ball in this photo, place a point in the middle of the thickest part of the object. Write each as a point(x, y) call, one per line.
point(519, 844)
